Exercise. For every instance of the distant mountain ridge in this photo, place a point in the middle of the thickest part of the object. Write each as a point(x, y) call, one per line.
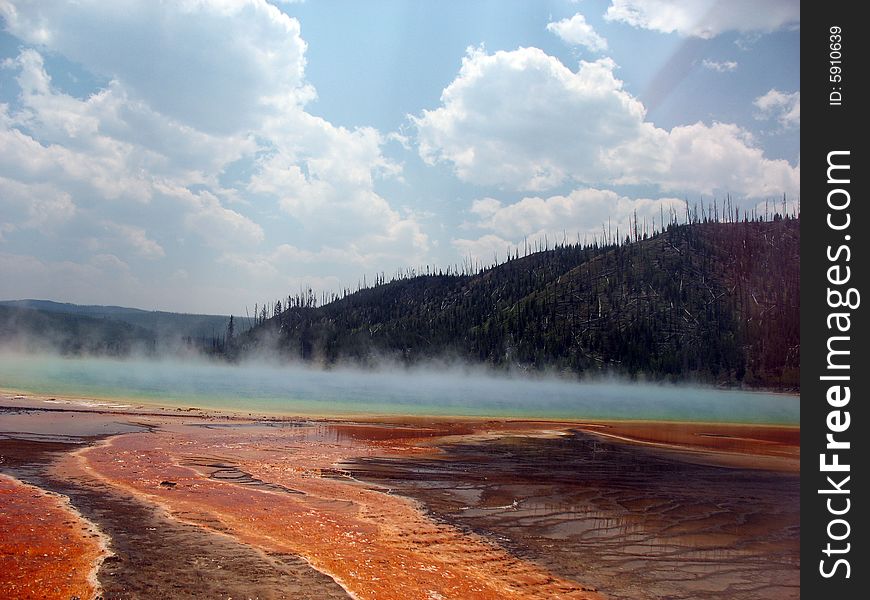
point(112, 330)
point(68, 307)
point(33, 330)
point(708, 301)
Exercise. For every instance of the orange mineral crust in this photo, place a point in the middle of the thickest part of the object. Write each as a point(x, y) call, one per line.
point(278, 488)
point(46, 549)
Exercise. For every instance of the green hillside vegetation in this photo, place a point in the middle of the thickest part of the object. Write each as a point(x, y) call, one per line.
point(163, 324)
point(31, 330)
point(75, 329)
point(708, 301)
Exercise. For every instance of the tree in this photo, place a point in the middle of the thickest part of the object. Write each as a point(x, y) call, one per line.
point(231, 331)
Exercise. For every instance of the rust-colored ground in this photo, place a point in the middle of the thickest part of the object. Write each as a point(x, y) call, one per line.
point(563, 510)
point(665, 516)
point(277, 489)
point(46, 549)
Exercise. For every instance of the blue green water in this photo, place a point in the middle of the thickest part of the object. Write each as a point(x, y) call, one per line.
point(297, 390)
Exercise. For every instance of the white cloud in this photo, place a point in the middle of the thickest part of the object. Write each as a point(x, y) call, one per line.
point(522, 120)
point(747, 41)
point(215, 224)
point(199, 131)
point(705, 18)
point(774, 206)
point(136, 238)
point(583, 215)
point(55, 137)
point(583, 211)
point(718, 158)
point(782, 106)
point(485, 250)
point(105, 175)
point(75, 153)
point(577, 32)
point(39, 206)
point(580, 216)
point(112, 127)
point(109, 263)
point(725, 66)
point(324, 177)
point(244, 56)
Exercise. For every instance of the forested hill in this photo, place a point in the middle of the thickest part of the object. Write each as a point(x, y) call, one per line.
point(74, 329)
point(715, 302)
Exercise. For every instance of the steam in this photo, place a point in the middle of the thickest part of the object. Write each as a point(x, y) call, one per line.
point(293, 389)
point(108, 331)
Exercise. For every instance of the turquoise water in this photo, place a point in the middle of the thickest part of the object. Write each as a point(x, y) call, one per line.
point(297, 390)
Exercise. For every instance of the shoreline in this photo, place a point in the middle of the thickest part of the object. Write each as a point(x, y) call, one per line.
point(124, 405)
point(642, 432)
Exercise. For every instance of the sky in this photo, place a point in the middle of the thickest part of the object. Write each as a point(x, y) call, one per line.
point(204, 155)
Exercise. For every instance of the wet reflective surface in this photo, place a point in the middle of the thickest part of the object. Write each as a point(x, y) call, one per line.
point(635, 521)
point(61, 425)
point(206, 505)
point(281, 492)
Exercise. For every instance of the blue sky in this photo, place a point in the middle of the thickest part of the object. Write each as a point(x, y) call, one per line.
point(205, 155)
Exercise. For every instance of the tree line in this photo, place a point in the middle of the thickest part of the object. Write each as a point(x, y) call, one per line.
point(712, 298)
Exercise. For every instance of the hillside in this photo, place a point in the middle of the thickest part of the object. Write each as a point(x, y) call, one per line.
point(109, 330)
point(161, 323)
point(715, 302)
point(31, 330)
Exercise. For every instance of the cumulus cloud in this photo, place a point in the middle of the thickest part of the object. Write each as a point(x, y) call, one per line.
point(582, 211)
point(244, 57)
point(782, 106)
point(724, 66)
point(577, 32)
point(705, 18)
point(522, 120)
point(199, 129)
point(106, 144)
point(38, 206)
point(69, 146)
point(325, 176)
point(136, 238)
point(722, 158)
point(579, 215)
point(484, 250)
point(204, 215)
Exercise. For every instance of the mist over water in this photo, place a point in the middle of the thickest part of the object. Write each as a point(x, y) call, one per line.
point(299, 390)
